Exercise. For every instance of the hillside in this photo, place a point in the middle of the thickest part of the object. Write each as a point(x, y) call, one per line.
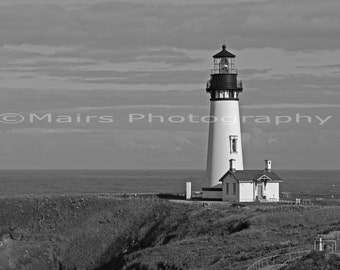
point(87, 232)
point(317, 261)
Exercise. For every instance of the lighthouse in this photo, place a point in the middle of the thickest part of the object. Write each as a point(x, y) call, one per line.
point(226, 178)
point(224, 145)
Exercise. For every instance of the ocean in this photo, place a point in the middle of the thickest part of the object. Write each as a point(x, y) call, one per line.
point(26, 182)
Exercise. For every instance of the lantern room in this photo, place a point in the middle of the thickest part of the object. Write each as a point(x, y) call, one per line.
point(223, 84)
point(224, 62)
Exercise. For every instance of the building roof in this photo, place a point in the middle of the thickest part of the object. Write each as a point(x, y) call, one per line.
point(224, 53)
point(251, 175)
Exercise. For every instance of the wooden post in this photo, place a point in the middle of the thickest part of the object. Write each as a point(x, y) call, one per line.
point(188, 191)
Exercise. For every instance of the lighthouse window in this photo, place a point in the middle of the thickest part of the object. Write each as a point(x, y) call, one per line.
point(234, 188)
point(233, 144)
point(226, 188)
point(224, 66)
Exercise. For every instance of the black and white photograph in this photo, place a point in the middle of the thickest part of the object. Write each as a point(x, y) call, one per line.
point(169, 135)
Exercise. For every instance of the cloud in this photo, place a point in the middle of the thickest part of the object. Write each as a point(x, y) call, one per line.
point(332, 93)
point(8, 53)
point(130, 107)
point(42, 131)
point(102, 149)
point(169, 56)
point(143, 77)
point(136, 43)
point(287, 106)
point(118, 25)
point(114, 77)
point(247, 72)
point(33, 100)
point(290, 148)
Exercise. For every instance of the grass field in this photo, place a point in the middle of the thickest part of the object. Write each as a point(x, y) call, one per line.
point(77, 232)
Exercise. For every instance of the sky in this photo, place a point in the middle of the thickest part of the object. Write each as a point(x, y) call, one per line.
point(95, 84)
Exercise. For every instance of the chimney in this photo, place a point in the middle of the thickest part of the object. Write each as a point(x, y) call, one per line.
point(268, 165)
point(231, 165)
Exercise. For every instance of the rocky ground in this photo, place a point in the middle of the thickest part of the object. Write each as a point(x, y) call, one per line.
point(92, 233)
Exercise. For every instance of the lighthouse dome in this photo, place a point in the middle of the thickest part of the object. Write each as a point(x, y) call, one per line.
point(224, 53)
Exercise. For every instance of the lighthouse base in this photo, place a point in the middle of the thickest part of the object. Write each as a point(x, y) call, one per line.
point(212, 193)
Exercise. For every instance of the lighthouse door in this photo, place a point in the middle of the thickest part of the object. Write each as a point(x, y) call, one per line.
point(260, 191)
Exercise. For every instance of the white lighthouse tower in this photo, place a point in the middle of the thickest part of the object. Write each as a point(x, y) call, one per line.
point(225, 145)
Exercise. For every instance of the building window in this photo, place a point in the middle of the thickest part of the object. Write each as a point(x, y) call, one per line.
point(226, 188)
point(234, 188)
point(233, 144)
